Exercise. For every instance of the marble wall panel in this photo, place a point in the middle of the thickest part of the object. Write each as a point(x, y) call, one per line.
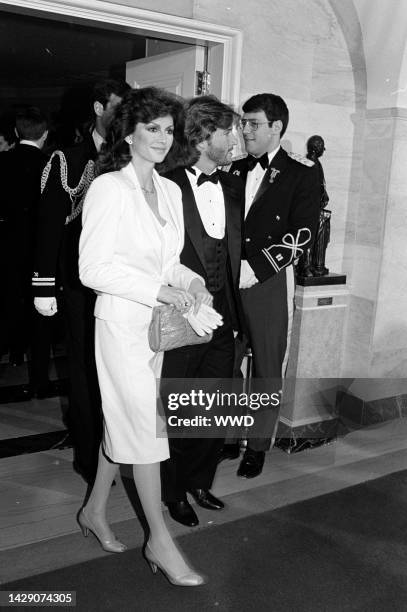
point(394, 263)
point(400, 126)
point(398, 180)
point(358, 337)
point(320, 348)
point(331, 121)
point(371, 220)
point(390, 325)
point(364, 282)
point(311, 20)
point(286, 71)
point(376, 166)
point(332, 81)
point(389, 363)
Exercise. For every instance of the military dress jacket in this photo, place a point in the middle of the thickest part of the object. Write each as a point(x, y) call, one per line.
point(283, 216)
point(60, 218)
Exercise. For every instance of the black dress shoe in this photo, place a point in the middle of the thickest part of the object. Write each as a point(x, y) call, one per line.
point(251, 464)
point(229, 451)
point(183, 512)
point(205, 499)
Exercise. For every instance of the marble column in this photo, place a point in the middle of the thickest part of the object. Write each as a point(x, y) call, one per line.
point(376, 340)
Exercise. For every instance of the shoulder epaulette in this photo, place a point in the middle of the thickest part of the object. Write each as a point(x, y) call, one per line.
point(301, 159)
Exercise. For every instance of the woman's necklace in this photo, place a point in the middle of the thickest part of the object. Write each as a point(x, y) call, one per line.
point(148, 191)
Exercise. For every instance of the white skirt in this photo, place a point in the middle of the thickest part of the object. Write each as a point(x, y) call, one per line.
point(129, 373)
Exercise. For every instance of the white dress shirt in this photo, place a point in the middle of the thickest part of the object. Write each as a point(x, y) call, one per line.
point(30, 142)
point(254, 179)
point(210, 203)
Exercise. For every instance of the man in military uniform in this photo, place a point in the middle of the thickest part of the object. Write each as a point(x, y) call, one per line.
point(281, 212)
point(20, 172)
point(65, 181)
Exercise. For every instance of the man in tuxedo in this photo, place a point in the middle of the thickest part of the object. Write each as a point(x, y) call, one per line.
point(65, 181)
point(281, 213)
point(20, 170)
point(212, 204)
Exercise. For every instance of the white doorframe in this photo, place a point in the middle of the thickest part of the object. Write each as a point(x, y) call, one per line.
point(222, 40)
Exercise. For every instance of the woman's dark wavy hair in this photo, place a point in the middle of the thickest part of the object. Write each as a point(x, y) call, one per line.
point(137, 106)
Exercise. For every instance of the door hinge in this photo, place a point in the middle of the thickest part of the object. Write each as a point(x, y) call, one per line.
point(203, 82)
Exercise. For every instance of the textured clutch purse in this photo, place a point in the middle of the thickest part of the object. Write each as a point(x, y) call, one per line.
point(169, 329)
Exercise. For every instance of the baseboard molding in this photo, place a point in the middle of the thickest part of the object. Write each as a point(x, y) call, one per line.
point(356, 412)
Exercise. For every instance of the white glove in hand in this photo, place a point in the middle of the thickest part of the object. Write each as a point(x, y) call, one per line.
point(209, 315)
point(198, 328)
point(247, 276)
point(46, 306)
point(205, 320)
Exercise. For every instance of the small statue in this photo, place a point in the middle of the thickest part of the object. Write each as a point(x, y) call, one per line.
point(312, 262)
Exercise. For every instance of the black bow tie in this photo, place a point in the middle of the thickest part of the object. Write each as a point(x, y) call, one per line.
point(253, 161)
point(213, 178)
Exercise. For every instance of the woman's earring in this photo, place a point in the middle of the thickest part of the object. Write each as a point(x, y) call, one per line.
point(129, 140)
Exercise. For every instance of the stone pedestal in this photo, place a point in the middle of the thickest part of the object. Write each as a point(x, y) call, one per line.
point(309, 413)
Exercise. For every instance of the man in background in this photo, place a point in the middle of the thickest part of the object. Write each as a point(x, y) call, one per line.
point(65, 182)
point(20, 169)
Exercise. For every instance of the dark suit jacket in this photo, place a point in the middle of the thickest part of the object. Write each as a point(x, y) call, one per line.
point(283, 216)
point(57, 242)
point(20, 172)
point(192, 254)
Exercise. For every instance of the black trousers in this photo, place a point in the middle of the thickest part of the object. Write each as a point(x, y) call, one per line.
point(42, 331)
point(84, 413)
point(268, 309)
point(193, 461)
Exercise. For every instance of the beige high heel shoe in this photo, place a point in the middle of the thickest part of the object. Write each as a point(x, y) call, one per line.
point(108, 545)
point(190, 579)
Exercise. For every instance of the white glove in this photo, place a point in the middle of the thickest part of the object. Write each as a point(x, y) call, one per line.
point(200, 329)
point(46, 306)
point(247, 276)
point(207, 314)
point(205, 320)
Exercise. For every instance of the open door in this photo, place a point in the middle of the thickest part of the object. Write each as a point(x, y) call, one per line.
point(175, 71)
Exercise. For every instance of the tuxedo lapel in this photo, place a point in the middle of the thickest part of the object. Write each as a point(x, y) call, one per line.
point(192, 220)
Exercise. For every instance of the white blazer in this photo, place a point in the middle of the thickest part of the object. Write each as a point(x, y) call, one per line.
point(120, 249)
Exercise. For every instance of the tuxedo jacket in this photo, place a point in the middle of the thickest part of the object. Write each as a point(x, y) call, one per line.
point(283, 216)
point(192, 254)
point(56, 252)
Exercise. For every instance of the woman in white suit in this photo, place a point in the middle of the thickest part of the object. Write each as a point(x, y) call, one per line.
point(129, 254)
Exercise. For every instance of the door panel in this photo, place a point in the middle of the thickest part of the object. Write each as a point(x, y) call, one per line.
point(174, 71)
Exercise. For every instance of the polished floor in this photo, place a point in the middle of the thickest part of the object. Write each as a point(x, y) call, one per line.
point(41, 494)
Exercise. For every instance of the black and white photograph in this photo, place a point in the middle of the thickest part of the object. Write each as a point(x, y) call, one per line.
point(203, 321)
